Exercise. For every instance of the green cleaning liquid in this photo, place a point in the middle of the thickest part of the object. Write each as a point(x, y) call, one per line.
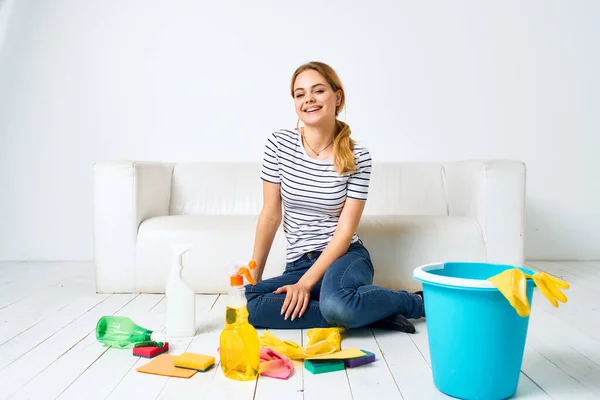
point(122, 332)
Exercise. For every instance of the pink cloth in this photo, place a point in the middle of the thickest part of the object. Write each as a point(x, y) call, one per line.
point(274, 364)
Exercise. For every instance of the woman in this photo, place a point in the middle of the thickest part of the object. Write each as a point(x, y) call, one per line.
point(322, 177)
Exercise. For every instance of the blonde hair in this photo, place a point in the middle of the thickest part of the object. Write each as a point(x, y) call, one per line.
point(343, 145)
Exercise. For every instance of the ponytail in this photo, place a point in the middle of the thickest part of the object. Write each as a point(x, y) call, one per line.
point(343, 149)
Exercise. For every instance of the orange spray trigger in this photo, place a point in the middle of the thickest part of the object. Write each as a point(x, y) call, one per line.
point(246, 273)
point(236, 278)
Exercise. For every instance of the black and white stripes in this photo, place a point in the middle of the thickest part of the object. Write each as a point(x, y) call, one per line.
point(312, 192)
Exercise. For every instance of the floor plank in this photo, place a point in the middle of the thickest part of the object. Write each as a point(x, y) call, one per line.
point(529, 390)
point(371, 380)
point(554, 381)
point(574, 353)
point(585, 280)
point(39, 276)
point(22, 315)
point(331, 385)
point(585, 267)
point(581, 310)
point(105, 373)
point(594, 264)
point(13, 270)
point(26, 340)
point(55, 363)
point(293, 387)
point(408, 365)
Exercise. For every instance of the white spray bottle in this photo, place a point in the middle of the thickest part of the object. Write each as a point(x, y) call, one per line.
point(181, 298)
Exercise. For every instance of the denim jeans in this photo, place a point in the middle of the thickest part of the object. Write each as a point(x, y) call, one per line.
point(345, 297)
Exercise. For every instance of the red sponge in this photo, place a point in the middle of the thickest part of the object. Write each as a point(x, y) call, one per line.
point(150, 351)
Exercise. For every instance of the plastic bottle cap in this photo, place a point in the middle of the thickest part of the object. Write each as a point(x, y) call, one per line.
point(236, 280)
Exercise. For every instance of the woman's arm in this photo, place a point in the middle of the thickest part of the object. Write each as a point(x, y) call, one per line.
point(298, 295)
point(266, 227)
point(347, 225)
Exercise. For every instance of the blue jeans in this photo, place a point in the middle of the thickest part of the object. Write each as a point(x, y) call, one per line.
point(345, 297)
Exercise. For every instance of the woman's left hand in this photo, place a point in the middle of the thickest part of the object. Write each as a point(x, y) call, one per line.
point(296, 300)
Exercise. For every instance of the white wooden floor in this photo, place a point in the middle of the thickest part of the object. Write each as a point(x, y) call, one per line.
point(48, 349)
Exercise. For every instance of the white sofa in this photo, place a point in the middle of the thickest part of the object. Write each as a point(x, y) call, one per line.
point(416, 213)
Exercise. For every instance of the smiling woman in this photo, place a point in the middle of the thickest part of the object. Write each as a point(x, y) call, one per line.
point(320, 177)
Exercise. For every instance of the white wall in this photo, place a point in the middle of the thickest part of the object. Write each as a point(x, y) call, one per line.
point(91, 80)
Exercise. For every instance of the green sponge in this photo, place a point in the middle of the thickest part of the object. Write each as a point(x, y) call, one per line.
point(323, 366)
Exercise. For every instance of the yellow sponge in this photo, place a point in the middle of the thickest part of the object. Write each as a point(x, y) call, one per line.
point(199, 362)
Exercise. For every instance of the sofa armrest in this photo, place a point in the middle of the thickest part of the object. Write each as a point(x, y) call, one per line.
point(125, 194)
point(493, 193)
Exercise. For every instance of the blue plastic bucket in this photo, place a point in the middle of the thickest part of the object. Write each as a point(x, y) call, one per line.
point(476, 338)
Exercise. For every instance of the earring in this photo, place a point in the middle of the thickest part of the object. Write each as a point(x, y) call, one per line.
point(298, 128)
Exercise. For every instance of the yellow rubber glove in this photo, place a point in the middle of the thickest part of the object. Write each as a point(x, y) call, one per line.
point(323, 341)
point(288, 348)
point(512, 284)
point(549, 286)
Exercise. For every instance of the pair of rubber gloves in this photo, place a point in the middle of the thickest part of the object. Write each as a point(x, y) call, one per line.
point(275, 353)
point(321, 341)
point(512, 283)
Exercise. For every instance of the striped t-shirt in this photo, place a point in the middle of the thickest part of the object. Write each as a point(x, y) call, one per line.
point(312, 192)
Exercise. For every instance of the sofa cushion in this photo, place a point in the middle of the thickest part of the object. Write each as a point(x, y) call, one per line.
point(397, 244)
point(216, 189)
point(236, 189)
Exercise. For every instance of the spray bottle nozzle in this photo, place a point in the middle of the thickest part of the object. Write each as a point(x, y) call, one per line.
point(237, 279)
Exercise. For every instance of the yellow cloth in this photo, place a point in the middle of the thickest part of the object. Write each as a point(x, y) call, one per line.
point(512, 283)
point(339, 355)
point(323, 343)
point(165, 365)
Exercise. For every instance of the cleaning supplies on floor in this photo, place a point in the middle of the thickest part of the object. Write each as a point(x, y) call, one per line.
point(323, 344)
point(198, 362)
point(357, 362)
point(323, 341)
point(122, 332)
point(323, 366)
point(164, 365)
point(239, 345)
point(181, 298)
point(274, 364)
point(150, 349)
point(512, 283)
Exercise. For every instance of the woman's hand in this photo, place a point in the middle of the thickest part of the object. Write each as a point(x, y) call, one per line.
point(296, 300)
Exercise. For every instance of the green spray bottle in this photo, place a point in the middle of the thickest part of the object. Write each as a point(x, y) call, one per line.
point(122, 332)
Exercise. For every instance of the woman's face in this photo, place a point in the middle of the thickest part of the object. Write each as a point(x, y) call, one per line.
point(315, 101)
